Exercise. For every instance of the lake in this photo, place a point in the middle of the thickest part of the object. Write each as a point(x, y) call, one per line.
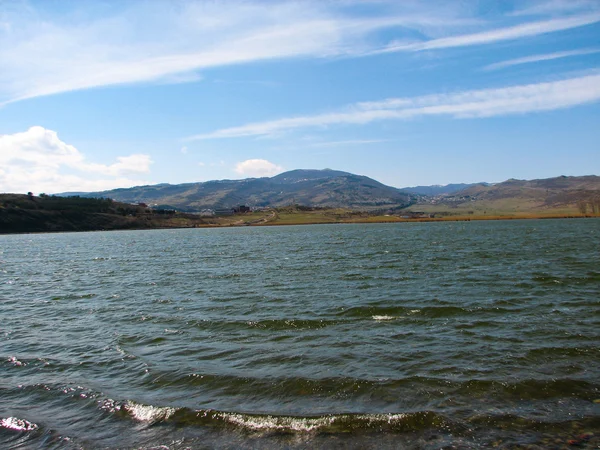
point(410, 335)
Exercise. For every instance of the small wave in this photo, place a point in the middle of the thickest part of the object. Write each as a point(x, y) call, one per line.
point(430, 312)
point(529, 389)
point(320, 423)
point(73, 297)
point(148, 413)
point(332, 423)
point(382, 318)
point(355, 276)
point(553, 352)
point(225, 276)
point(277, 423)
point(266, 324)
point(16, 424)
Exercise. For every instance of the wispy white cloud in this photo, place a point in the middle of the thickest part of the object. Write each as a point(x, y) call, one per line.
point(37, 160)
point(496, 35)
point(542, 57)
point(552, 7)
point(154, 41)
point(520, 99)
point(135, 42)
point(257, 168)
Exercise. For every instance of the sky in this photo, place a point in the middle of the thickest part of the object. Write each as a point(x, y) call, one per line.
point(97, 95)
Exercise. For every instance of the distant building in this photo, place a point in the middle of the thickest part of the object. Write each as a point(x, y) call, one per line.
point(241, 209)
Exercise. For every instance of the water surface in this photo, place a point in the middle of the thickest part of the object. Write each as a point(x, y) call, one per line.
point(414, 335)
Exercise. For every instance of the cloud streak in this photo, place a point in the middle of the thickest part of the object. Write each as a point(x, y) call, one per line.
point(554, 7)
point(497, 35)
point(154, 42)
point(140, 42)
point(538, 58)
point(484, 103)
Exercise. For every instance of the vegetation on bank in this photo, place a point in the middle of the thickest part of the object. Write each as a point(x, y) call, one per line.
point(27, 213)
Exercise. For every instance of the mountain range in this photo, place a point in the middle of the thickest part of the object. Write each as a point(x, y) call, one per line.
point(337, 189)
point(317, 188)
point(554, 192)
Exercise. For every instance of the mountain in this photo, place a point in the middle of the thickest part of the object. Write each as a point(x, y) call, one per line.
point(548, 192)
point(320, 188)
point(299, 175)
point(437, 189)
point(558, 195)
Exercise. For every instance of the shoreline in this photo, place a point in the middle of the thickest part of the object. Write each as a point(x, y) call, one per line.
point(367, 220)
point(420, 220)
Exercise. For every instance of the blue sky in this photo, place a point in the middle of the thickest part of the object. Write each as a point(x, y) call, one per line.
point(106, 94)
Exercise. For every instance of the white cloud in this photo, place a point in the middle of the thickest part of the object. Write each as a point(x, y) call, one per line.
point(478, 103)
point(496, 35)
point(537, 58)
point(257, 168)
point(155, 41)
point(537, 7)
point(184, 150)
point(44, 54)
point(37, 160)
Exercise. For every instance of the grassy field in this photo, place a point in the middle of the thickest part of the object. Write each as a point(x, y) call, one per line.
point(508, 207)
point(345, 216)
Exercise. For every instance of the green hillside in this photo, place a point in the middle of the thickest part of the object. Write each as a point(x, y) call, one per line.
point(27, 213)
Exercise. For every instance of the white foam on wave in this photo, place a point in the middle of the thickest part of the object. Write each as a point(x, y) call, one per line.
point(148, 413)
point(14, 423)
point(154, 414)
point(278, 423)
point(380, 318)
point(381, 418)
point(304, 424)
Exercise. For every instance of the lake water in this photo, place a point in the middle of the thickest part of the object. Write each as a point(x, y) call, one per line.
point(414, 335)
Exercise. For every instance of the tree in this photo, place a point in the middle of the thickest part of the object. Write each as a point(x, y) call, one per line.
point(595, 204)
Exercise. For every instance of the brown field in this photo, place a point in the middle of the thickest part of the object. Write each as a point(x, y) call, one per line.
point(290, 217)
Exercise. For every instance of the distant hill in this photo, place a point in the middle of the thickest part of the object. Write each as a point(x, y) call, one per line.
point(355, 198)
point(320, 188)
point(27, 213)
point(336, 189)
point(559, 195)
point(437, 189)
point(548, 191)
point(299, 175)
